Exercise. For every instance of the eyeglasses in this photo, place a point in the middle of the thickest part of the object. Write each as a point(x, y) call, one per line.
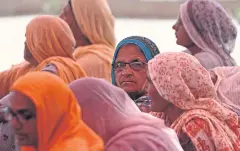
point(22, 117)
point(138, 65)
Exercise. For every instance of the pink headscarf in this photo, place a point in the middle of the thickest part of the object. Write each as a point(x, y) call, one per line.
point(227, 80)
point(110, 112)
point(210, 28)
point(184, 82)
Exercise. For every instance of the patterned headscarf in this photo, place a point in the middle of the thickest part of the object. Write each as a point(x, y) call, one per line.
point(210, 27)
point(227, 81)
point(147, 46)
point(180, 79)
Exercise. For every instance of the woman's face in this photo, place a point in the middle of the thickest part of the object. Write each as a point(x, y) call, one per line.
point(158, 104)
point(68, 16)
point(28, 55)
point(130, 74)
point(22, 117)
point(181, 34)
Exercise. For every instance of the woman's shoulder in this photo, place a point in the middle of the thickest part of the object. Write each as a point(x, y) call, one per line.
point(53, 64)
point(209, 60)
point(148, 135)
point(50, 68)
point(196, 133)
point(141, 139)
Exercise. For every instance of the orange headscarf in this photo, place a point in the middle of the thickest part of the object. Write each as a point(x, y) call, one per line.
point(59, 122)
point(8, 77)
point(96, 60)
point(48, 38)
point(96, 21)
point(51, 41)
point(67, 69)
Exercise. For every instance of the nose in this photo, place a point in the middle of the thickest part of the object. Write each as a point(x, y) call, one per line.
point(15, 124)
point(174, 27)
point(127, 70)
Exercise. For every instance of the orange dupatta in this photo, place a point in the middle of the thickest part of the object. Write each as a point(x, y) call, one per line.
point(59, 121)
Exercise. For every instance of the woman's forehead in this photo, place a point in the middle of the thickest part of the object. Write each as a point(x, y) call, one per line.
point(130, 52)
point(19, 101)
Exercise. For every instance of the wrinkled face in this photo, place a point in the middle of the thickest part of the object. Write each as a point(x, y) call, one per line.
point(181, 34)
point(68, 16)
point(158, 104)
point(22, 116)
point(130, 69)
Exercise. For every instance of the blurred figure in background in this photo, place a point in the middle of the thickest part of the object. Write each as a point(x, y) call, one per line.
point(226, 81)
point(92, 24)
point(207, 31)
point(49, 46)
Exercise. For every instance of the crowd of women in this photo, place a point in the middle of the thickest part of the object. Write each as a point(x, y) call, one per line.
point(79, 91)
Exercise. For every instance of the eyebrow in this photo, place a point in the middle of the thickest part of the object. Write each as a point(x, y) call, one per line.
point(134, 60)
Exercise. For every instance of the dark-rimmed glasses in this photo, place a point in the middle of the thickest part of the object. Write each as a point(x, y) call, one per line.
point(136, 65)
point(21, 116)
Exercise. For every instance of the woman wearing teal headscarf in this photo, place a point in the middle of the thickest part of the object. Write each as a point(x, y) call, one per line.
point(147, 46)
point(129, 67)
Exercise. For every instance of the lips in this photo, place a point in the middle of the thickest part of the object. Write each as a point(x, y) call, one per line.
point(21, 138)
point(127, 82)
point(20, 135)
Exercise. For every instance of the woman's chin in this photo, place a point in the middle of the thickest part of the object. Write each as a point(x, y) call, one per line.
point(179, 43)
point(156, 108)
